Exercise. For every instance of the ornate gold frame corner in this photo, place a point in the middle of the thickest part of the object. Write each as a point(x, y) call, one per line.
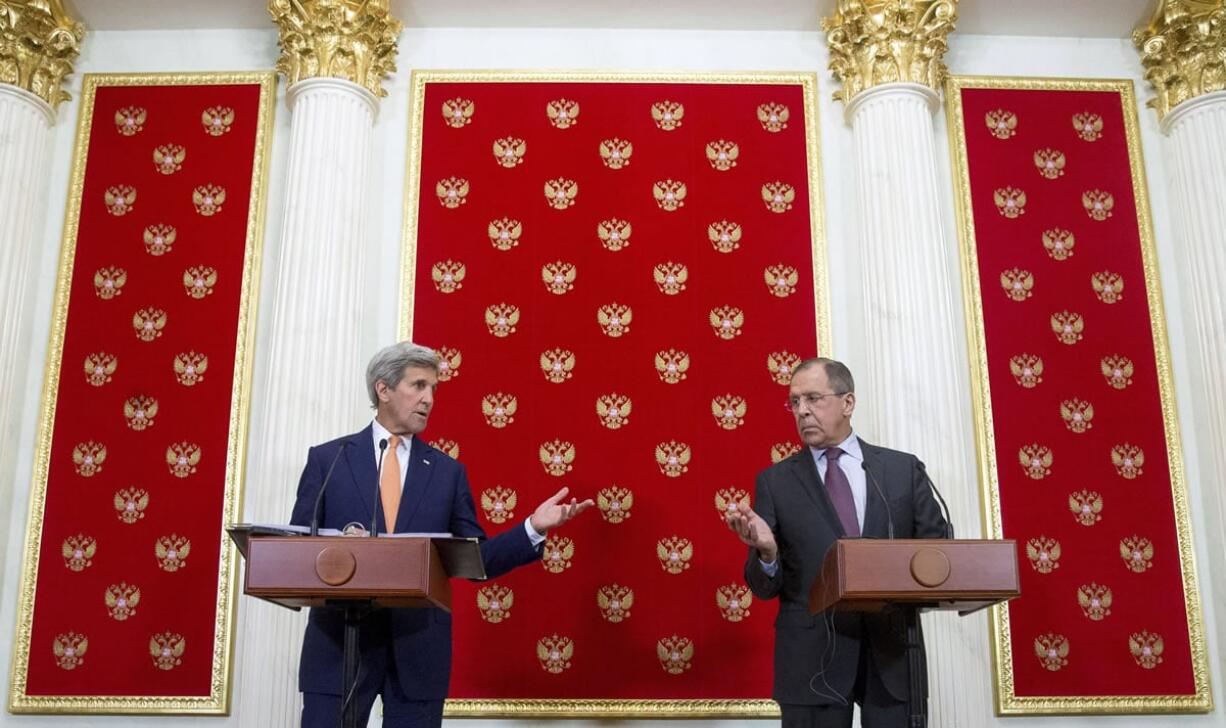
point(218, 701)
point(1007, 702)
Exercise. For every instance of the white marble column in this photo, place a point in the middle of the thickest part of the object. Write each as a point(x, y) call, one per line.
point(1196, 173)
point(915, 364)
point(311, 386)
point(25, 139)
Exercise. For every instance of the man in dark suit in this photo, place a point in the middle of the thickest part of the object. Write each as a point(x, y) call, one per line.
point(829, 490)
point(405, 653)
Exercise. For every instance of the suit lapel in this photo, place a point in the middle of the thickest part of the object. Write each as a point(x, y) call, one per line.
point(874, 509)
point(416, 481)
point(360, 457)
point(805, 470)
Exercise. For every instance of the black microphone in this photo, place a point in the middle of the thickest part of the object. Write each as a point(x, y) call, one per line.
point(319, 497)
point(374, 517)
point(949, 524)
point(877, 486)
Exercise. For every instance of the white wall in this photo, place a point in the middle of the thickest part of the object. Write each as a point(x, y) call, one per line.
point(603, 50)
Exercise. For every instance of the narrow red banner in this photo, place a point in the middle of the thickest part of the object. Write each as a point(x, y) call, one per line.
point(128, 596)
point(1080, 442)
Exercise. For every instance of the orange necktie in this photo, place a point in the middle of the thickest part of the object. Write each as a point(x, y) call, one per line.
point(389, 484)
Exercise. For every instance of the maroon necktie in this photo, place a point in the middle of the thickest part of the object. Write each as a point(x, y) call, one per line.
point(840, 493)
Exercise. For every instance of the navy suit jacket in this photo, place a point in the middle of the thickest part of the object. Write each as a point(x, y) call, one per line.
point(435, 499)
point(792, 500)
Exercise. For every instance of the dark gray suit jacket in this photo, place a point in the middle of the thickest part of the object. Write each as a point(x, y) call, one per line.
point(792, 500)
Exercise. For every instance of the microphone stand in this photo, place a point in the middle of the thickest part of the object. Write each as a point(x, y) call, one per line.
point(917, 702)
point(355, 612)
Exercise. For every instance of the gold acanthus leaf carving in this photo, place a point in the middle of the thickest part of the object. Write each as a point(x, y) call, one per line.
point(354, 40)
point(873, 42)
point(38, 43)
point(1183, 49)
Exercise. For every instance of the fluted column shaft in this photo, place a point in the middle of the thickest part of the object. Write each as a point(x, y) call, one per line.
point(25, 139)
point(1196, 171)
point(311, 388)
point(916, 364)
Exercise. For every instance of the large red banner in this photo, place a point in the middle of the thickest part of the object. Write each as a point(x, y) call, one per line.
point(1080, 444)
point(619, 274)
point(127, 596)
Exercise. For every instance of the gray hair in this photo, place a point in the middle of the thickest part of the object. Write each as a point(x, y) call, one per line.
point(838, 376)
point(389, 363)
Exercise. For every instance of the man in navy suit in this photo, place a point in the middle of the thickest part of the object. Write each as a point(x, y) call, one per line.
point(836, 487)
point(405, 653)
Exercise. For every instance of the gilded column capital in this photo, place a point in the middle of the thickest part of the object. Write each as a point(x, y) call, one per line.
point(873, 42)
point(38, 43)
point(354, 40)
point(1183, 49)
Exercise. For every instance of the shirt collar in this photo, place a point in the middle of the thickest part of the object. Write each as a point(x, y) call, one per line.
point(379, 432)
point(850, 447)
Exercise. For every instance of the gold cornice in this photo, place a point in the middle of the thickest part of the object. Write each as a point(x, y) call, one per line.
point(873, 42)
point(354, 40)
point(38, 43)
point(1183, 49)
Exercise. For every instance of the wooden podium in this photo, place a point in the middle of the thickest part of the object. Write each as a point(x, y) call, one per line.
point(354, 574)
point(870, 575)
point(301, 571)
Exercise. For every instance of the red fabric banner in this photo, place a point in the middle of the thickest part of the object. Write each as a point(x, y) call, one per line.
point(127, 598)
point(619, 276)
point(1081, 444)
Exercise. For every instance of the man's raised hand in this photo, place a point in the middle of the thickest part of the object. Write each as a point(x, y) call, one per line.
point(753, 531)
point(553, 513)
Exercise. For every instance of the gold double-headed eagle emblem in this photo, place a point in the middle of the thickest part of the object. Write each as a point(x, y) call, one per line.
point(499, 503)
point(182, 458)
point(168, 158)
point(159, 238)
point(1050, 162)
point(130, 119)
point(167, 650)
point(87, 458)
point(1088, 126)
point(1052, 650)
point(189, 367)
point(1098, 204)
point(199, 280)
point(99, 367)
point(1058, 243)
point(1044, 554)
point(217, 120)
point(109, 282)
point(1001, 123)
point(1010, 201)
point(208, 199)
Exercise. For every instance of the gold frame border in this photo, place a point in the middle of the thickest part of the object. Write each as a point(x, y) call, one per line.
point(604, 708)
point(817, 195)
point(1006, 701)
point(218, 701)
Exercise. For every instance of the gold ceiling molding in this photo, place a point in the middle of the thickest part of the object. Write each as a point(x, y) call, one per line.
point(354, 40)
point(873, 42)
point(1183, 49)
point(38, 43)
